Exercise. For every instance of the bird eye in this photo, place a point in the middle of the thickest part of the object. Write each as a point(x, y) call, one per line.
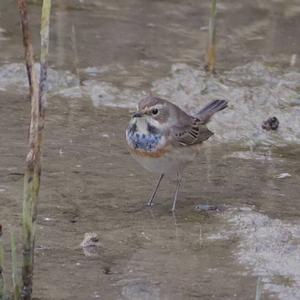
point(154, 111)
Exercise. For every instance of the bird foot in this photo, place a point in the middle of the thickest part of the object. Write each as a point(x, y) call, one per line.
point(149, 204)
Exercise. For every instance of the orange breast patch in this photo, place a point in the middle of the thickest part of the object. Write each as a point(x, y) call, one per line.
point(154, 154)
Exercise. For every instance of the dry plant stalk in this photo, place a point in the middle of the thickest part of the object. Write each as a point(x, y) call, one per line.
point(211, 49)
point(2, 284)
point(42, 97)
point(258, 289)
point(29, 189)
point(33, 159)
point(75, 53)
point(15, 281)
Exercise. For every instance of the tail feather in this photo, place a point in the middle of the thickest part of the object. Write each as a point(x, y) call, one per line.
point(209, 110)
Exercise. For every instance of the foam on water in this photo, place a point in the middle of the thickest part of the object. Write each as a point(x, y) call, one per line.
point(106, 94)
point(255, 92)
point(269, 248)
point(13, 76)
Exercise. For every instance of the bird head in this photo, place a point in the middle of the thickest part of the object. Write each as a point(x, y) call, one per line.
point(153, 113)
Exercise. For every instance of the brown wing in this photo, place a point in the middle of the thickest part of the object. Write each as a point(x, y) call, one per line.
point(192, 134)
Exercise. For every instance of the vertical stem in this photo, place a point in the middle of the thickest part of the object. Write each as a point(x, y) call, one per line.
point(258, 289)
point(16, 287)
point(61, 29)
point(75, 53)
point(45, 25)
point(2, 283)
point(29, 193)
point(33, 159)
point(45, 22)
point(211, 49)
point(22, 6)
point(27, 267)
point(42, 100)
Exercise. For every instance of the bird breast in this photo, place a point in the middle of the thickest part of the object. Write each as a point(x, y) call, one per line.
point(141, 136)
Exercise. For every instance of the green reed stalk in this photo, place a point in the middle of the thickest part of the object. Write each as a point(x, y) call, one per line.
point(258, 289)
point(211, 49)
point(29, 191)
point(2, 283)
point(33, 159)
point(45, 23)
point(75, 53)
point(15, 281)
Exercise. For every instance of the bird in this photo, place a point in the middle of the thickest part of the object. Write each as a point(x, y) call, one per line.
point(164, 139)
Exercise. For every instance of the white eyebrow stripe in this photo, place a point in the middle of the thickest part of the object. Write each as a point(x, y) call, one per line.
point(158, 106)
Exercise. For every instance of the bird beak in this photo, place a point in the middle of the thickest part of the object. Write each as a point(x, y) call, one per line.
point(137, 114)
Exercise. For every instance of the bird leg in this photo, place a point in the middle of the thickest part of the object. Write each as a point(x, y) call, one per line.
point(155, 190)
point(179, 178)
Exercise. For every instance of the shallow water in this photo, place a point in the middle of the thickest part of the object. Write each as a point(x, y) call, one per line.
point(247, 222)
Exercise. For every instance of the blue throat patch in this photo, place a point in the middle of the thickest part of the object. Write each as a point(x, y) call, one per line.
point(143, 141)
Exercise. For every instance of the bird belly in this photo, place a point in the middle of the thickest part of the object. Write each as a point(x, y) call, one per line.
point(170, 162)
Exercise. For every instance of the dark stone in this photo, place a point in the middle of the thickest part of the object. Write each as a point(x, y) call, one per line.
point(107, 270)
point(270, 124)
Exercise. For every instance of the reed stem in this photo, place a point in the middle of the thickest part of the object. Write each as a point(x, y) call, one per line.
point(258, 289)
point(45, 23)
point(29, 192)
point(75, 53)
point(2, 283)
point(33, 159)
point(16, 286)
point(211, 49)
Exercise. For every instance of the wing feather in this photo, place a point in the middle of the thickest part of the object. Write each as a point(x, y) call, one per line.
point(194, 133)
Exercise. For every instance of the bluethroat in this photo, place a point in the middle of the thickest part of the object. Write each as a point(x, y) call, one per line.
point(164, 139)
